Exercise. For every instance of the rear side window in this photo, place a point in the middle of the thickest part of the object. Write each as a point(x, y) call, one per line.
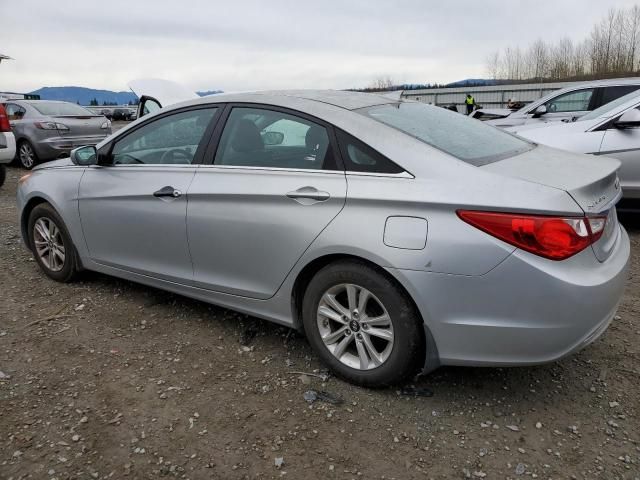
point(610, 94)
point(359, 157)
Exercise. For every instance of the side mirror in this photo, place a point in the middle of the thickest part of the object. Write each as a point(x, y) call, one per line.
point(538, 112)
point(273, 138)
point(629, 119)
point(84, 156)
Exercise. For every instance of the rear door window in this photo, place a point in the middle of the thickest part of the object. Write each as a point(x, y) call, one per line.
point(259, 137)
point(610, 94)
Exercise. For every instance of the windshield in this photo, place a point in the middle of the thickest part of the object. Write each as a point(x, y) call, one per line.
point(56, 109)
point(465, 138)
point(610, 107)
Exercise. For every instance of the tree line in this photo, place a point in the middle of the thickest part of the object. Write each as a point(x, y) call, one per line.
point(610, 50)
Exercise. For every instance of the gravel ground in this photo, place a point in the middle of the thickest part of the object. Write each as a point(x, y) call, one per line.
point(105, 379)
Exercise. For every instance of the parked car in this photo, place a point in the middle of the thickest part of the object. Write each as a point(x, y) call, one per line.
point(393, 244)
point(612, 130)
point(561, 105)
point(107, 112)
point(120, 114)
point(7, 144)
point(46, 129)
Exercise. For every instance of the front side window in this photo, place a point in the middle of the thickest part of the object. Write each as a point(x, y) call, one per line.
point(465, 138)
point(173, 139)
point(257, 137)
point(570, 102)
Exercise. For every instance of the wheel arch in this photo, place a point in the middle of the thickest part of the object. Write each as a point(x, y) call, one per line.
point(304, 276)
point(32, 203)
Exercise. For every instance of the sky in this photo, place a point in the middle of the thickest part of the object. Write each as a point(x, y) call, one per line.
point(275, 44)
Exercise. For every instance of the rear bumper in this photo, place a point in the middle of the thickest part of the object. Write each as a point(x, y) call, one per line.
point(55, 147)
point(526, 311)
point(7, 147)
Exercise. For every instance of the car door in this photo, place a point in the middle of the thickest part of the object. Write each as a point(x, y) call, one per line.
point(133, 205)
point(624, 144)
point(274, 184)
point(564, 107)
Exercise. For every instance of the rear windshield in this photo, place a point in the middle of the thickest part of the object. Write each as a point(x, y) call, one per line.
point(470, 140)
point(60, 109)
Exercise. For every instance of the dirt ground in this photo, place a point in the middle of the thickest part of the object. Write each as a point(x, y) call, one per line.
point(108, 379)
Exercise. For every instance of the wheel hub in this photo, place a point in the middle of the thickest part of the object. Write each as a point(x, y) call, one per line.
point(354, 326)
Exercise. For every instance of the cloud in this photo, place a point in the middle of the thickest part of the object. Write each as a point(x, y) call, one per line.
point(245, 45)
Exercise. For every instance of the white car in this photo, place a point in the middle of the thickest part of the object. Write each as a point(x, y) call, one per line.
point(612, 130)
point(565, 104)
point(7, 143)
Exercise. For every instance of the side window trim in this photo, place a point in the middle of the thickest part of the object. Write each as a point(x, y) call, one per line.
point(105, 153)
point(212, 148)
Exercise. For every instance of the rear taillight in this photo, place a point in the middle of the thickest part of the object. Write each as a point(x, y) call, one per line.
point(4, 120)
point(551, 237)
point(50, 126)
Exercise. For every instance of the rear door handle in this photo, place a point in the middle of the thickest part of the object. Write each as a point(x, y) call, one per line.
point(167, 191)
point(308, 195)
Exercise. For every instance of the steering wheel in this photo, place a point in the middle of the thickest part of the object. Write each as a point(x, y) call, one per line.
point(173, 155)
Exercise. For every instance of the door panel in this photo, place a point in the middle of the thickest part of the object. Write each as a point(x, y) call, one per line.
point(246, 233)
point(127, 227)
point(624, 144)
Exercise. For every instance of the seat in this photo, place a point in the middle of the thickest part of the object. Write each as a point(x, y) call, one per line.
point(317, 143)
point(247, 146)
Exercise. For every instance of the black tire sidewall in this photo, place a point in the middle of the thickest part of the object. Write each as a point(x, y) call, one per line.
point(68, 270)
point(407, 329)
point(3, 173)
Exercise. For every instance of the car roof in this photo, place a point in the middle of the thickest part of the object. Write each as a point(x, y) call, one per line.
point(337, 98)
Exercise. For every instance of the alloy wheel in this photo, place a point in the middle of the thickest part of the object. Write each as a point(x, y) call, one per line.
point(27, 155)
point(355, 326)
point(48, 243)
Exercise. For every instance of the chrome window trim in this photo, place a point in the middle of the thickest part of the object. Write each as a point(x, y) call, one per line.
point(308, 170)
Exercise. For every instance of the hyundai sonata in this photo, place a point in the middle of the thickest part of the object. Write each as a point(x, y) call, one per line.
point(397, 236)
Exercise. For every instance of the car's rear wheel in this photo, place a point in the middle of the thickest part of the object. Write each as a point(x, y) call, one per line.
point(27, 155)
point(51, 244)
point(3, 174)
point(362, 324)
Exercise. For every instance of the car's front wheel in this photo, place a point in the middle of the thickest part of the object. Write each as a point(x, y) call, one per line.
point(362, 325)
point(51, 244)
point(27, 155)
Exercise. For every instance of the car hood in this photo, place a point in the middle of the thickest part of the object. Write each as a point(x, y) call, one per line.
point(591, 181)
point(164, 91)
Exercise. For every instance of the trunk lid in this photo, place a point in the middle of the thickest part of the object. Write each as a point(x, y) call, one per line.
point(81, 126)
point(591, 181)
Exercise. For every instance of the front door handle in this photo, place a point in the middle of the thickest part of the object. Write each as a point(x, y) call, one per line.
point(167, 191)
point(308, 195)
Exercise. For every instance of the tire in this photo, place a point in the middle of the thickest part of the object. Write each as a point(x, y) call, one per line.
point(63, 269)
point(27, 157)
point(393, 358)
point(3, 174)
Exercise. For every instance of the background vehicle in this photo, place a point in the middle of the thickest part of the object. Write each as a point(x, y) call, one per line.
point(45, 130)
point(562, 105)
point(317, 210)
point(121, 114)
point(7, 144)
point(612, 130)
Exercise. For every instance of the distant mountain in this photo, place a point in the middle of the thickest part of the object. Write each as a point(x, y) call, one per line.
point(84, 96)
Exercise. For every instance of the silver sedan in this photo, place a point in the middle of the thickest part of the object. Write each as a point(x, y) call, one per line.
point(397, 236)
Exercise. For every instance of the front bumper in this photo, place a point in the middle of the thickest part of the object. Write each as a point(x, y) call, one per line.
point(56, 147)
point(526, 311)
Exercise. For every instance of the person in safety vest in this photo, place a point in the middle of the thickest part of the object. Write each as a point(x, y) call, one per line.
point(470, 102)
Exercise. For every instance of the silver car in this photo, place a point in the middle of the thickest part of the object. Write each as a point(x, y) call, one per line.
point(397, 236)
point(46, 129)
point(563, 105)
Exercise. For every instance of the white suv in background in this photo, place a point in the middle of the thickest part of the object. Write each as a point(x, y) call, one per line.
point(7, 144)
point(566, 104)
